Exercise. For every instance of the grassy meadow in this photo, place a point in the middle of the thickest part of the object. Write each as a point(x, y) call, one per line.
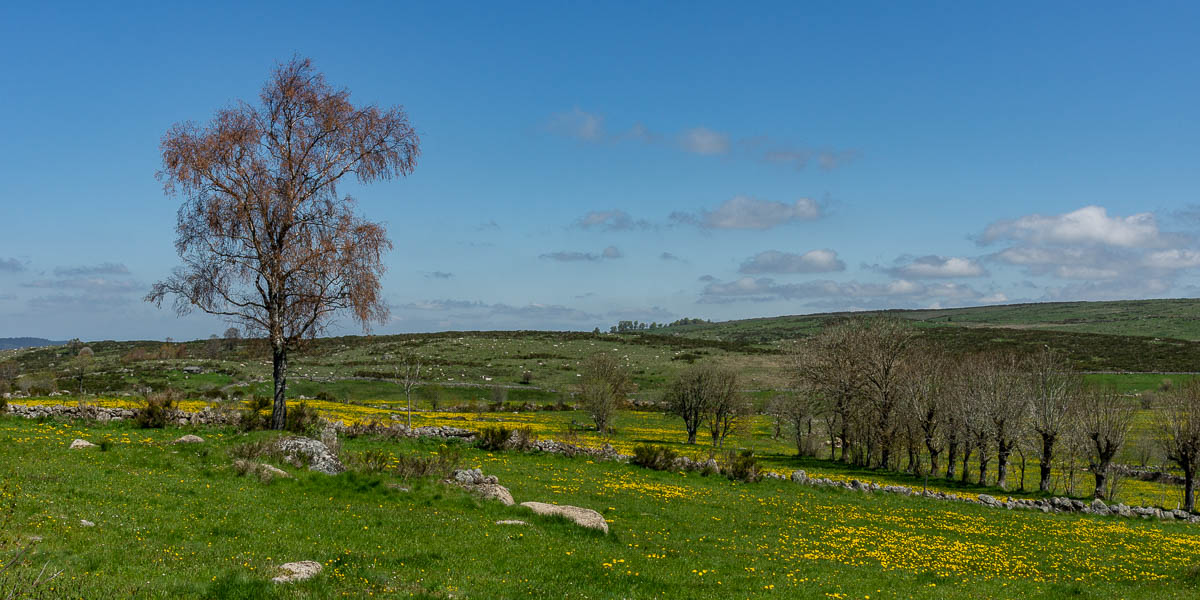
point(178, 522)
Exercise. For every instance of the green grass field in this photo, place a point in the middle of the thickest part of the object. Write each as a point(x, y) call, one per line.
point(177, 522)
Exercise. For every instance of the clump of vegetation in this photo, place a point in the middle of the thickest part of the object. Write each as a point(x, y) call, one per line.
point(256, 413)
point(441, 464)
point(649, 456)
point(741, 466)
point(158, 409)
point(302, 419)
point(494, 438)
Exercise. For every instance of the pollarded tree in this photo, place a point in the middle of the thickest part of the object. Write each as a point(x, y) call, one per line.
point(1105, 418)
point(265, 237)
point(1053, 388)
point(1180, 422)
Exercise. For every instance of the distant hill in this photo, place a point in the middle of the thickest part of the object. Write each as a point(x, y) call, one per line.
point(1167, 318)
point(26, 342)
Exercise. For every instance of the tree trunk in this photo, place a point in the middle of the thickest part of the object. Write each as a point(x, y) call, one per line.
point(966, 461)
point(1046, 461)
point(691, 435)
point(983, 464)
point(951, 455)
point(279, 371)
point(1101, 474)
point(1189, 490)
point(1002, 465)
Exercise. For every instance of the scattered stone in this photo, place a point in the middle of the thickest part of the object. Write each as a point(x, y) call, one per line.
point(484, 486)
point(263, 471)
point(86, 523)
point(301, 450)
point(799, 477)
point(494, 491)
point(78, 444)
point(189, 439)
point(298, 571)
point(584, 517)
point(398, 487)
point(511, 522)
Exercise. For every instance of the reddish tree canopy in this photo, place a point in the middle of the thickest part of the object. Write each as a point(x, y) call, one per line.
point(266, 240)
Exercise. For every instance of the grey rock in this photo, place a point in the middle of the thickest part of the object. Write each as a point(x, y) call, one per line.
point(298, 571)
point(584, 517)
point(79, 444)
point(86, 523)
point(799, 476)
point(189, 439)
point(511, 522)
point(301, 450)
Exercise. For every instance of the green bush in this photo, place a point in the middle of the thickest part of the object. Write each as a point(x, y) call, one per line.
point(302, 419)
point(648, 456)
point(493, 437)
point(441, 464)
point(159, 408)
point(256, 413)
point(741, 466)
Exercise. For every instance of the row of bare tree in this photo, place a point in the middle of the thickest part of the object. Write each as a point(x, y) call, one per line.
point(880, 395)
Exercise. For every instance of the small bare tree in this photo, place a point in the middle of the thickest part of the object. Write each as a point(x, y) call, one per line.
point(687, 397)
point(604, 382)
point(726, 408)
point(265, 237)
point(231, 336)
point(794, 413)
point(1180, 424)
point(83, 361)
point(409, 374)
point(1105, 417)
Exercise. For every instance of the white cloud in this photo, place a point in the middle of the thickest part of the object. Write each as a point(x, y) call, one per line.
point(936, 267)
point(774, 261)
point(744, 212)
point(1088, 225)
point(578, 124)
point(701, 140)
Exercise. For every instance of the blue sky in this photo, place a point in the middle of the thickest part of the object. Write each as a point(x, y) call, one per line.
point(588, 163)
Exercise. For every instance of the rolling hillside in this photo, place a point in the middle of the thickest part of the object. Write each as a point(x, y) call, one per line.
point(1166, 318)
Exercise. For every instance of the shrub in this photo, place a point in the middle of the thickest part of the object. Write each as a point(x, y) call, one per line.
point(499, 395)
point(741, 466)
point(214, 393)
point(302, 419)
point(522, 438)
point(158, 409)
point(649, 456)
point(441, 464)
point(370, 461)
point(252, 451)
point(326, 396)
point(3, 405)
point(493, 437)
point(527, 377)
point(256, 414)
